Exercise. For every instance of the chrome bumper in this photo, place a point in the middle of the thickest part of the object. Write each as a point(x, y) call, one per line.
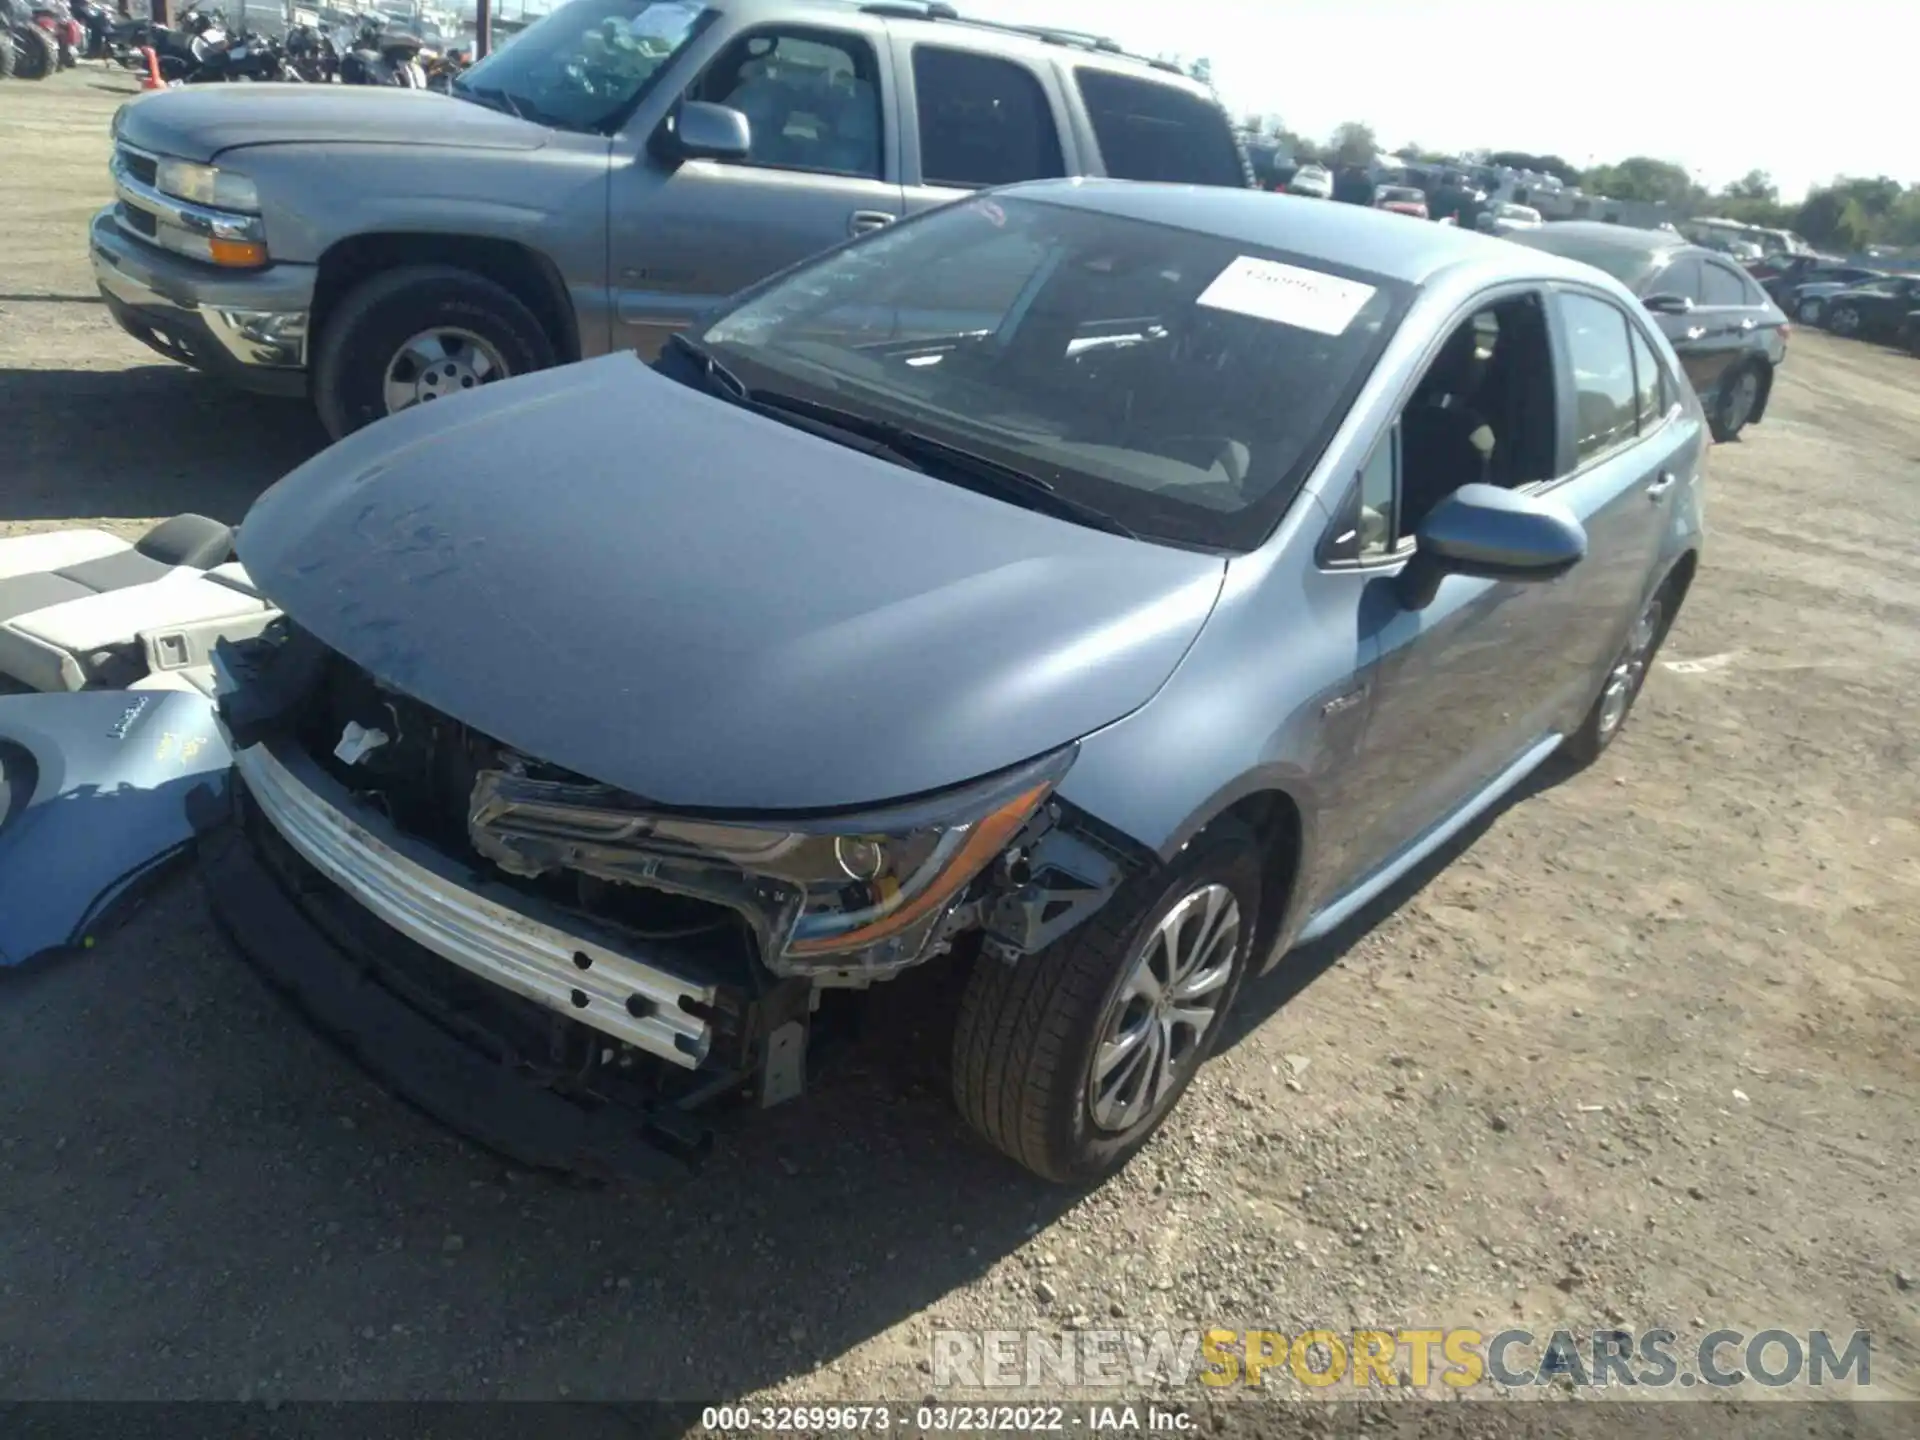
point(258, 318)
point(419, 893)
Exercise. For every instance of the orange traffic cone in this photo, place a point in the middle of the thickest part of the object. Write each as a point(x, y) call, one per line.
point(152, 80)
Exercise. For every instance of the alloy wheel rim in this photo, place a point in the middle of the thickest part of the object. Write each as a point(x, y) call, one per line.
point(439, 362)
point(1746, 389)
point(1164, 1008)
point(1844, 321)
point(1624, 681)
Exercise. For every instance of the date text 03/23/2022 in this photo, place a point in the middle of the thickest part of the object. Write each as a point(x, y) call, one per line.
point(936, 1419)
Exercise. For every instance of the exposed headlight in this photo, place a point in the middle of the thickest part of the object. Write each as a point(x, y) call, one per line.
point(852, 892)
point(207, 185)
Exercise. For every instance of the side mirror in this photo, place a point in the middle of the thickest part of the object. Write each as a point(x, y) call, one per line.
point(1491, 534)
point(1664, 304)
point(703, 131)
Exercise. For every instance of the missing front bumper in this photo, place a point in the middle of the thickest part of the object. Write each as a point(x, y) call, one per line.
point(495, 934)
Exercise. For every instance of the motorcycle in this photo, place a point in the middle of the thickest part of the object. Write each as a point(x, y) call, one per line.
point(312, 55)
point(443, 69)
point(179, 49)
point(246, 57)
point(27, 50)
point(377, 55)
point(69, 36)
point(98, 23)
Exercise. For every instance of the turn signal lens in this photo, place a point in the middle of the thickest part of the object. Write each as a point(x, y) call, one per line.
point(238, 254)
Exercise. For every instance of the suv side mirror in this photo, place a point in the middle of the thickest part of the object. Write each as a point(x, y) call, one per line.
point(1491, 534)
point(704, 131)
point(1665, 304)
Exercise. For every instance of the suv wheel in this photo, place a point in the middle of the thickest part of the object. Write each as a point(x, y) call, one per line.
point(1809, 311)
point(418, 334)
point(1738, 398)
point(1070, 1059)
point(1843, 320)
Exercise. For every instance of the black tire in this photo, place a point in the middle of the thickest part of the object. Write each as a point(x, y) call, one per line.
point(1601, 728)
point(1740, 395)
point(1027, 1034)
point(7, 55)
point(1843, 320)
point(368, 329)
point(38, 55)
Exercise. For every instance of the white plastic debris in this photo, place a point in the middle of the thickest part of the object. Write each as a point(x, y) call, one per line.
point(357, 742)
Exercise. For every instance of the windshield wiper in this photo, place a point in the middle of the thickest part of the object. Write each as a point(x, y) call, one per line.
point(892, 441)
point(491, 96)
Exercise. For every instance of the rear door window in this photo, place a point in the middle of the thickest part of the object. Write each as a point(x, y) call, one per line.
point(1606, 400)
point(1150, 131)
point(1680, 278)
point(983, 121)
point(1722, 286)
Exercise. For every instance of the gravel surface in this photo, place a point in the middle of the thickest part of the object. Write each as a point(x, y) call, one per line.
point(1642, 1052)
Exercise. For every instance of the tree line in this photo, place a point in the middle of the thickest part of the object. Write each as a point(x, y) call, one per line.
point(1848, 214)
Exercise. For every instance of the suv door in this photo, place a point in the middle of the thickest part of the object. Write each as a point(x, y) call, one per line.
point(971, 117)
point(824, 166)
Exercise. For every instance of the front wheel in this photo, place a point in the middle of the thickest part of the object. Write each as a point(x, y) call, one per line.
point(1069, 1060)
point(1844, 320)
point(416, 335)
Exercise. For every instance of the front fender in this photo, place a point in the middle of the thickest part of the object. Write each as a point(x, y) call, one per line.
point(98, 790)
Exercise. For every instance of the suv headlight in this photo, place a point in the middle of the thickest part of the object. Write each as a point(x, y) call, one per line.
point(853, 892)
point(207, 185)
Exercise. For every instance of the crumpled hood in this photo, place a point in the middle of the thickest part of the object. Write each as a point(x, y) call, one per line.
point(198, 122)
point(645, 584)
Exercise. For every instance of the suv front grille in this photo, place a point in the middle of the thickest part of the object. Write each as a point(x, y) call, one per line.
point(143, 168)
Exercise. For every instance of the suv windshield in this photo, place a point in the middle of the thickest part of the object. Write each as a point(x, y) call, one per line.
point(1178, 383)
point(584, 65)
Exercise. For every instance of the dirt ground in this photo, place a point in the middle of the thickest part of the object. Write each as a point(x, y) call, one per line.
point(1643, 1053)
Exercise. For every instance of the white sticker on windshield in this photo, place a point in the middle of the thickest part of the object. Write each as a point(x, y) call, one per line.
point(663, 21)
point(1287, 295)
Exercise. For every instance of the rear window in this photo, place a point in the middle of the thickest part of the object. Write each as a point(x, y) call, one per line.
point(1624, 263)
point(1148, 131)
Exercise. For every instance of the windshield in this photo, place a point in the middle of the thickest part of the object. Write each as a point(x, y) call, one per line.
point(1625, 264)
point(584, 65)
point(1178, 383)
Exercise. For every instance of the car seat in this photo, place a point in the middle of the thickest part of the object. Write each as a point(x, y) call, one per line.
point(82, 609)
point(1444, 441)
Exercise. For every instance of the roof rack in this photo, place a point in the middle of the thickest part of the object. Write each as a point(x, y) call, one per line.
point(1046, 34)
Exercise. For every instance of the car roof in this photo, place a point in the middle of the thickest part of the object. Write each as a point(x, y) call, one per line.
point(1020, 38)
point(1354, 235)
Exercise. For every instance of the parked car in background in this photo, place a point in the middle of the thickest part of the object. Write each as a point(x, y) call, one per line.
point(1506, 217)
point(1807, 302)
point(566, 199)
point(1401, 200)
point(1148, 600)
point(1729, 336)
point(1910, 332)
point(1312, 180)
point(1875, 310)
point(1780, 275)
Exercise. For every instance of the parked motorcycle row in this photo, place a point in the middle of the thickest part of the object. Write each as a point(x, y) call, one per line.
point(38, 37)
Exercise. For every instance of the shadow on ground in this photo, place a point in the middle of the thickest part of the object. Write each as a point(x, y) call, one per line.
point(214, 1159)
point(151, 441)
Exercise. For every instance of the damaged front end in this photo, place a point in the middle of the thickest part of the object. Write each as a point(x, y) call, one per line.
point(615, 955)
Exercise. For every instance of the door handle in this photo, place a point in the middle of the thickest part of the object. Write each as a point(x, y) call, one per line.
point(1659, 488)
point(861, 221)
point(1696, 331)
point(1747, 324)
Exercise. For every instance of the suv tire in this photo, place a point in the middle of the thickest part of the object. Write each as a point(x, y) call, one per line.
point(369, 332)
point(7, 53)
point(1029, 1034)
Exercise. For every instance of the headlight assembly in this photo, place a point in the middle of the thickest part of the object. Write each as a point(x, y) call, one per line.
point(207, 185)
point(860, 892)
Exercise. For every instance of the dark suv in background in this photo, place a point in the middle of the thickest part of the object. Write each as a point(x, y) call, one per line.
point(1729, 336)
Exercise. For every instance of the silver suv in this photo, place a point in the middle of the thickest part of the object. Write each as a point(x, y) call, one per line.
point(616, 171)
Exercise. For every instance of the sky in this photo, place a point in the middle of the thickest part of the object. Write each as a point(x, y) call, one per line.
point(1716, 88)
